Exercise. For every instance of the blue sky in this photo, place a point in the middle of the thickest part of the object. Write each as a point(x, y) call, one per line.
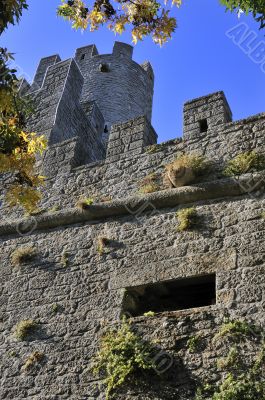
point(199, 60)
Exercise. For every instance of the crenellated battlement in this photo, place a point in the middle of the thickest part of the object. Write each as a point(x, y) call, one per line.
point(102, 104)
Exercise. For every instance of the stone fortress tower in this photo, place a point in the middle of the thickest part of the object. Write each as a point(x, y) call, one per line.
point(109, 88)
point(96, 113)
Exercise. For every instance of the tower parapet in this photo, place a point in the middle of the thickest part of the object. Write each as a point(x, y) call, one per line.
point(43, 66)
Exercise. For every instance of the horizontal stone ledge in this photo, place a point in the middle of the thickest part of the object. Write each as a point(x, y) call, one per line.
point(213, 311)
point(138, 205)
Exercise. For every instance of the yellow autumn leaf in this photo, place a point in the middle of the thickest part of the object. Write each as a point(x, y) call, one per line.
point(177, 3)
point(26, 197)
point(119, 28)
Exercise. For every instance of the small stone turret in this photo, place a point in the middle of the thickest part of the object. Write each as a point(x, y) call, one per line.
point(204, 113)
point(122, 89)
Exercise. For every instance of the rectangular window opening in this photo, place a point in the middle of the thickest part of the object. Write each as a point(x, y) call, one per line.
point(104, 68)
point(203, 125)
point(173, 295)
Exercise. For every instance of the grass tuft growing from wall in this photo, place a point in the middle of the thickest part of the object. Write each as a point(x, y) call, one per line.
point(24, 328)
point(35, 358)
point(245, 162)
point(65, 259)
point(149, 184)
point(153, 148)
point(23, 255)
point(102, 243)
point(186, 218)
point(84, 204)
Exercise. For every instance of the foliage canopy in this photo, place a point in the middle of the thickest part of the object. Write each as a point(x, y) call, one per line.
point(255, 7)
point(144, 17)
point(10, 12)
point(18, 148)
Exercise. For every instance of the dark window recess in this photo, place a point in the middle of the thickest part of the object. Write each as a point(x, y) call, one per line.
point(82, 57)
point(106, 129)
point(104, 68)
point(170, 296)
point(203, 125)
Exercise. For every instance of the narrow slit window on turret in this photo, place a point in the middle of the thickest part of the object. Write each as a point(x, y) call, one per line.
point(180, 294)
point(203, 125)
point(106, 129)
point(82, 57)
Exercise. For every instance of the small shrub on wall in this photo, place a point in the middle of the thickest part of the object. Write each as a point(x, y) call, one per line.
point(245, 162)
point(121, 353)
point(35, 358)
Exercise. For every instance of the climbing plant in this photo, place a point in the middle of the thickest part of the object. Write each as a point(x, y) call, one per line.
point(242, 375)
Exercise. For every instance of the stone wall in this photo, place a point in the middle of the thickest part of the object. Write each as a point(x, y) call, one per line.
point(74, 292)
point(89, 293)
point(132, 154)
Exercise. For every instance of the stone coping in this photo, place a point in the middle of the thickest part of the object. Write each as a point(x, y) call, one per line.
point(139, 204)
